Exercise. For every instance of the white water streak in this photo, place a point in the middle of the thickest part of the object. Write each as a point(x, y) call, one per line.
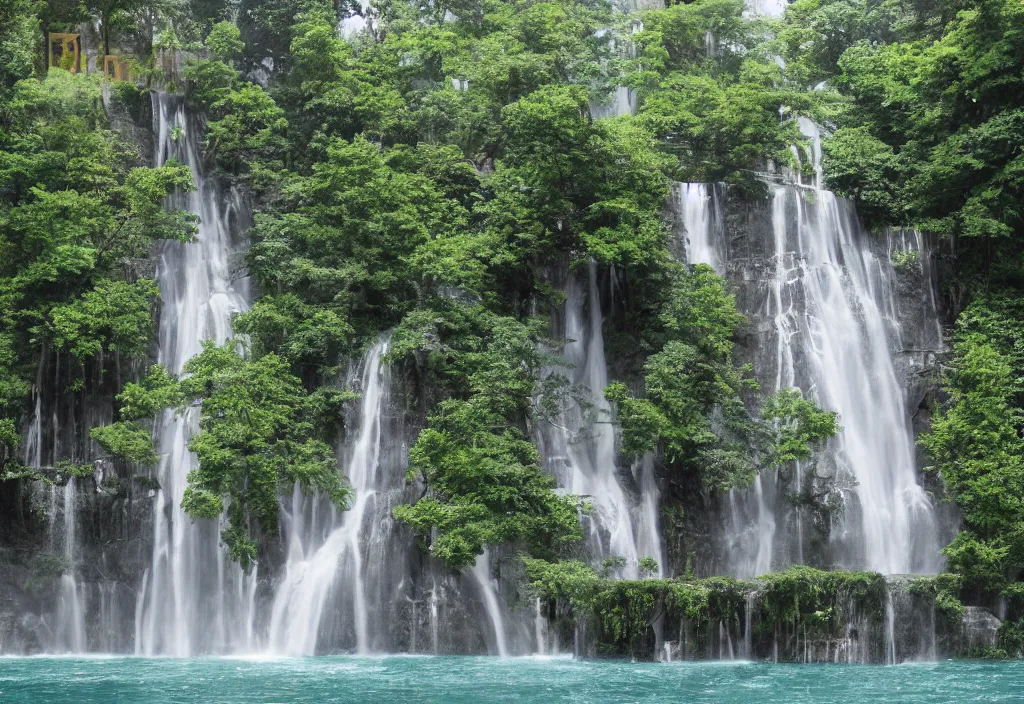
point(482, 574)
point(314, 566)
point(189, 608)
point(702, 221)
point(71, 612)
point(831, 303)
point(579, 448)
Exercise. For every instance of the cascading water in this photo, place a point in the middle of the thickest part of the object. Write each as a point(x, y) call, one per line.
point(725, 651)
point(482, 574)
point(703, 222)
point(69, 629)
point(621, 101)
point(325, 545)
point(579, 447)
point(648, 539)
point(748, 626)
point(765, 8)
point(71, 614)
point(350, 26)
point(830, 325)
point(34, 438)
point(540, 628)
point(194, 599)
point(435, 636)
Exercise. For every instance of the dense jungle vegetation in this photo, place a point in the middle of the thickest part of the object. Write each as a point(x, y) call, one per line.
point(436, 176)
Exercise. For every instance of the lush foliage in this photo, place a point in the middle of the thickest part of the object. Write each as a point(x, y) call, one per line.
point(929, 137)
point(439, 176)
point(75, 214)
point(259, 432)
point(942, 590)
point(714, 106)
point(976, 443)
point(798, 425)
point(687, 379)
point(693, 410)
point(486, 486)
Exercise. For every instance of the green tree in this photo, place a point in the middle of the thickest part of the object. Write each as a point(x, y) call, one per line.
point(76, 213)
point(19, 29)
point(485, 483)
point(976, 443)
point(113, 15)
point(798, 426)
point(258, 434)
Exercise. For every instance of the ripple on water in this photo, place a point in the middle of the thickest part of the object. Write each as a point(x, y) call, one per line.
point(464, 680)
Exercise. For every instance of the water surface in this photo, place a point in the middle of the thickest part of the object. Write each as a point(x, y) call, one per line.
point(129, 680)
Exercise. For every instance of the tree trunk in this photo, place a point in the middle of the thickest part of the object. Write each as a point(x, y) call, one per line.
point(106, 40)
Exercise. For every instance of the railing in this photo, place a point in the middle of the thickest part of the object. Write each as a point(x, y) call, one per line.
point(65, 51)
point(113, 68)
point(66, 43)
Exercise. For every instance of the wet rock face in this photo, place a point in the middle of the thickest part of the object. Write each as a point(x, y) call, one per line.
point(111, 509)
point(413, 603)
point(109, 515)
point(751, 269)
point(112, 549)
point(851, 318)
point(980, 629)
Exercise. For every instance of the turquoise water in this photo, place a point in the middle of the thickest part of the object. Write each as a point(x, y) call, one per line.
point(117, 680)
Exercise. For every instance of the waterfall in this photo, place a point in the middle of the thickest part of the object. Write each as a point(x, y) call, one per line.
point(933, 651)
point(725, 650)
point(482, 574)
point(765, 8)
point(834, 306)
point(434, 626)
point(579, 447)
point(300, 599)
point(837, 331)
point(702, 221)
point(34, 437)
point(829, 325)
point(540, 628)
point(69, 631)
point(890, 628)
point(71, 613)
point(748, 623)
point(752, 529)
point(647, 537)
point(190, 604)
point(353, 25)
point(315, 564)
point(622, 101)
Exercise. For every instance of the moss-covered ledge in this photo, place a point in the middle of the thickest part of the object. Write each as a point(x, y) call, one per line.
point(799, 615)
